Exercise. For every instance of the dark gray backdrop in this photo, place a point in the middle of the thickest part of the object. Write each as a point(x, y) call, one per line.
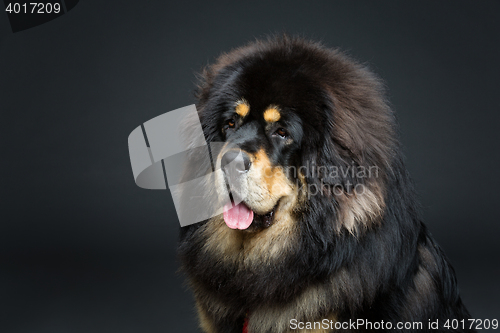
point(82, 249)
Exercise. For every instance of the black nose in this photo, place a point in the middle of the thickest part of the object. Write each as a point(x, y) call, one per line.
point(240, 157)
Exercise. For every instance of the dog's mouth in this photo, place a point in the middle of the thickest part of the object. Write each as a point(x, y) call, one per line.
point(241, 217)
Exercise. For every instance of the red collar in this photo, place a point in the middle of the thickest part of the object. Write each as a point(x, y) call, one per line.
point(245, 325)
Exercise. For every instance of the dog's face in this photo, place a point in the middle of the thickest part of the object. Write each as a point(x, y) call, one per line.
point(261, 143)
point(284, 129)
point(263, 123)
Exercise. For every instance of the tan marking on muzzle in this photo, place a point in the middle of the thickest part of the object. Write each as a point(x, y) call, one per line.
point(274, 178)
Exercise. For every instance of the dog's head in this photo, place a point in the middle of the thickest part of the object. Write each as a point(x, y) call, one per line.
point(301, 124)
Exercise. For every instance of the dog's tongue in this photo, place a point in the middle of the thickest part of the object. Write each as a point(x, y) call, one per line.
point(238, 217)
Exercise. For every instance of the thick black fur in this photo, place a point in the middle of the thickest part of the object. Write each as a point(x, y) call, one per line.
point(374, 271)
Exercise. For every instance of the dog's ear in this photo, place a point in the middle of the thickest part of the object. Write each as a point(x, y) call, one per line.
point(210, 82)
point(342, 167)
point(330, 162)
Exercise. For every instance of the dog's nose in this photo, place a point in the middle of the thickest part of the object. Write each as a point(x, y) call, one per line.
point(241, 159)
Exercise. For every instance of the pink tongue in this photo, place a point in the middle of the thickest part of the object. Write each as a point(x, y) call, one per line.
point(237, 217)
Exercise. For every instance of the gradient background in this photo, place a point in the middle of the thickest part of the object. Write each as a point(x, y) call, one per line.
point(83, 249)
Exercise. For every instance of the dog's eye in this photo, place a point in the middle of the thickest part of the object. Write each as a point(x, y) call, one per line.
point(230, 123)
point(281, 132)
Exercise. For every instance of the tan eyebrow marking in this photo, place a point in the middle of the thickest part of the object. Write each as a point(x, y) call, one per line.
point(272, 114)
point(242, 108)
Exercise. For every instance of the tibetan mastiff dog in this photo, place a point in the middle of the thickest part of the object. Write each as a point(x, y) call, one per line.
point(323, 228)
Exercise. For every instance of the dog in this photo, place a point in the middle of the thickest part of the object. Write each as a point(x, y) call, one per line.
point(324, 228)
